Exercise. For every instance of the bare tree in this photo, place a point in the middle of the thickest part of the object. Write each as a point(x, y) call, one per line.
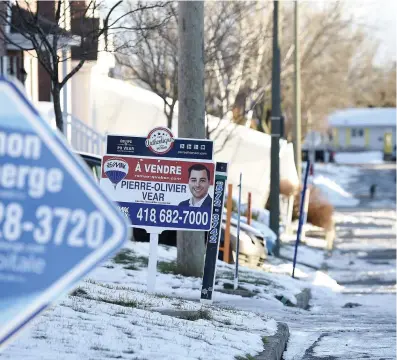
point(48, 37)
point(153, 62)
point(230, 44)
point(234, 48)
point(337, 58)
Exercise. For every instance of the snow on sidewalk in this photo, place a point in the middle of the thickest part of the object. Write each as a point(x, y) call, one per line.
point(363, 157)
point(334, 193)
point(111, 315)
point(332, 180)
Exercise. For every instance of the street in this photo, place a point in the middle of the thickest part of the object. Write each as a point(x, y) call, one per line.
point(359, 322)
point(364, 263)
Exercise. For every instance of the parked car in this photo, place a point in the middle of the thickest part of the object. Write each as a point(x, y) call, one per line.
point(320, 155)
point(264, 231)
point(93, 162)
point(252, 243)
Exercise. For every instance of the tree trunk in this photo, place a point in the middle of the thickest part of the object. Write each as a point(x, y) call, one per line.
point(190, 256)
point(56, 94)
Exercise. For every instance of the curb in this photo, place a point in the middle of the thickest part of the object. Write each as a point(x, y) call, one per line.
point(275, 345)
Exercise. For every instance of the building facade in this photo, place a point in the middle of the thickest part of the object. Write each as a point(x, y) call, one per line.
point(20, 61)
point(364, 129)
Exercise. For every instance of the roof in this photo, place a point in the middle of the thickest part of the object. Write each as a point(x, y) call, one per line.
point(368, 117)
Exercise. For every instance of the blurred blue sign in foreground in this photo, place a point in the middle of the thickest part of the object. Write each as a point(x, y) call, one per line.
point(55, 223)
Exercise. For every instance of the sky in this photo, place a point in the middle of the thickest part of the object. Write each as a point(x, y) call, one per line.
point(381, 17)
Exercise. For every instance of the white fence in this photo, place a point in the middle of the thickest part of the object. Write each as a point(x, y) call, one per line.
point(84, 138)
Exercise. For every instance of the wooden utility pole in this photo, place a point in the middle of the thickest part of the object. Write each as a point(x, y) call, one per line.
point(276, 132)
point(191, 123)
point(297, 137)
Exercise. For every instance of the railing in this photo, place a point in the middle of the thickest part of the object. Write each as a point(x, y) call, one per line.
point(83, 137)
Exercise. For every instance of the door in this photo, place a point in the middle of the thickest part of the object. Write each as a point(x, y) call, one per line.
point(387, 143)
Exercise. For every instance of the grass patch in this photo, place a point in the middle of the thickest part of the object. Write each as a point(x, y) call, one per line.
point(229, 286)
point(121, 301)
point(167, 267)
point(131, 267)
point(128, 257)
point(265, 340)
point(128, 352)
point(76, 306)
point(99, 347)
point(80, 292)
point(41, 337)
point(201, 314)
point(256, 282)
point(164, 296)
point(241, 290)
point(246, 357)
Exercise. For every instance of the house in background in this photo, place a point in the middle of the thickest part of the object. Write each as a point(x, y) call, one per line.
point(21, 62)
point(364, 129)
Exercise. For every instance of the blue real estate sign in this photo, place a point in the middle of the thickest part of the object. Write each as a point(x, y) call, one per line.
point(55, 223)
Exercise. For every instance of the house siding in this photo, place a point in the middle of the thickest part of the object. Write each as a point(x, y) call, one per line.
point(373, 138)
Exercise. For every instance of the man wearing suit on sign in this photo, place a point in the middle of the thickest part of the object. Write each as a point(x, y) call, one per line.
point(199, 183)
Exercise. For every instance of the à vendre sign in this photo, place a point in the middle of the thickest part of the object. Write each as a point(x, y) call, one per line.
point(157, 191)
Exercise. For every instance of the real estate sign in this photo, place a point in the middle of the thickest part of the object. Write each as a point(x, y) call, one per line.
point(159, 181)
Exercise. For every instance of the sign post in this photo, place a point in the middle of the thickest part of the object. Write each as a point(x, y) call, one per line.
point(48, 239)
point(214, 234)
point(152, 267)
point(302, 215)
point(160, 183)
point(238, 234)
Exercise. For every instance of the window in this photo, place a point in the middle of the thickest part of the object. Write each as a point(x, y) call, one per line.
point(357, 132)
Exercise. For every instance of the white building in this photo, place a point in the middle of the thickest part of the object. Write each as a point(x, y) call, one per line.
point(364, 129)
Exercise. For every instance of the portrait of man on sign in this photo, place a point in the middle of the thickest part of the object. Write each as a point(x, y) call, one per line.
point(199, 183)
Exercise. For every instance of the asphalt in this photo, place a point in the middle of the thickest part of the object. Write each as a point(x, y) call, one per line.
point(360, 323)
point(373, 321)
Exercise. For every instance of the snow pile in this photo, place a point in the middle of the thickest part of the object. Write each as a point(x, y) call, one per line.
point(341, 174)
point(334, 193)
point(364, 157)
point(306, 255)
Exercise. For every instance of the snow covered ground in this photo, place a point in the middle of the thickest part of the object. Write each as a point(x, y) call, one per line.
point(364, 157)
point(333, 181)
point(352, 311)
point(334, 193)
point(111, 315)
